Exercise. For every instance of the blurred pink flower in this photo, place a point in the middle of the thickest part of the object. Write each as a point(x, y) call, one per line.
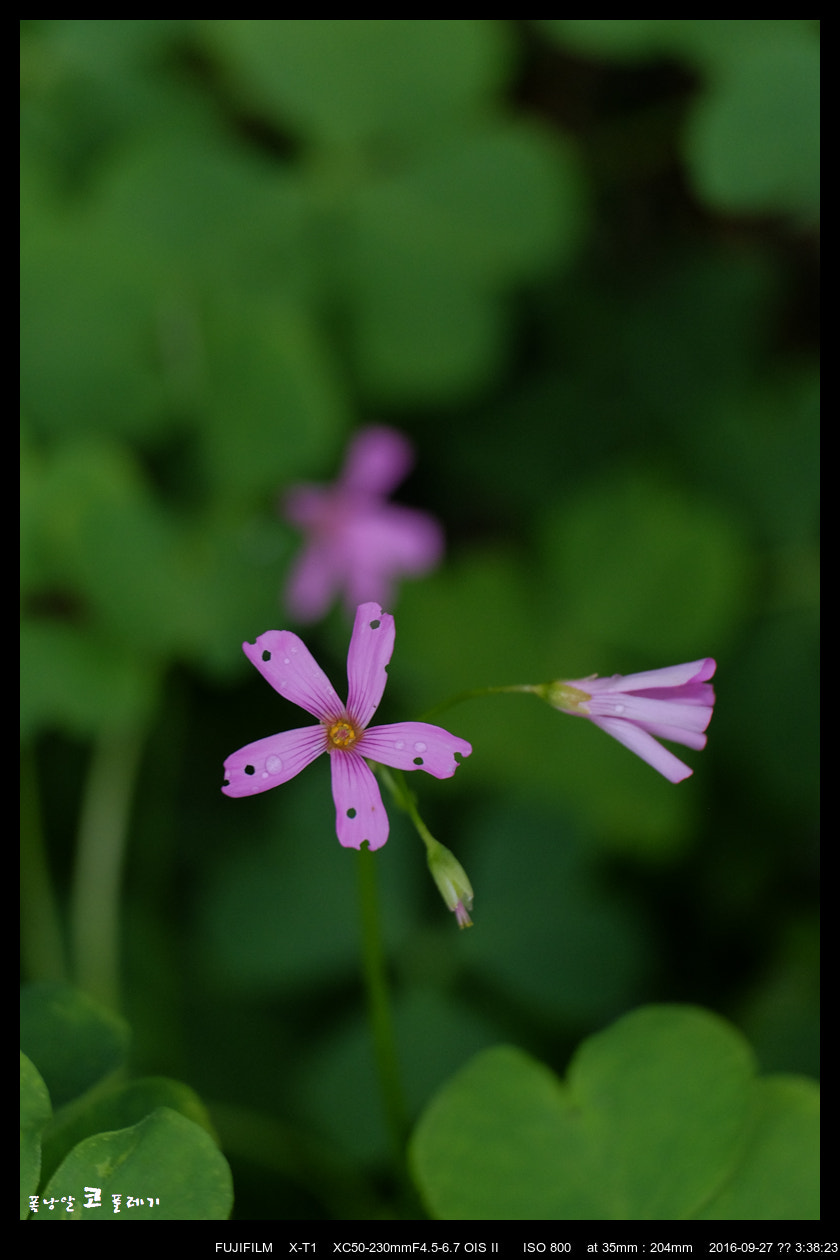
point(342, 731)
point(357, 543)
point(674, 703)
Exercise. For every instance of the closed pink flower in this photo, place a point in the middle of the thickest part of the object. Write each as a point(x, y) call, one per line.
point(342, 731)
point(357, 543)
point(638, 709)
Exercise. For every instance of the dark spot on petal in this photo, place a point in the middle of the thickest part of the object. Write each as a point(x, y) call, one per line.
point(266, 656)
point(418, 761)
point(351, 813)
point(374, 625)
point(250, 770)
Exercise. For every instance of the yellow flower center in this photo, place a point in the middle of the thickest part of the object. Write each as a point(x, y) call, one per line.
point(342, 734)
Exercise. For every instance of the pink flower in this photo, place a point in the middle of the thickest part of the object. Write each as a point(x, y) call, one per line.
point(342, 731)
point(357, 542)
point(674, 703)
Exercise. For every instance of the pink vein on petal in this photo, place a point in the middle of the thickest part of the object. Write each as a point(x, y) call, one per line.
point(286, 663)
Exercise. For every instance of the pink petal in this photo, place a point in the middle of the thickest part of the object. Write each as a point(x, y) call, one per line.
point(677, 735)
point(386, 544)
point(359, 812)
point(268, 762)
point(379, 458)
point(632, 707)
point(395, 539)
point(646, 747)
point(285, 661)
point(371, 645)
point(313, 582)
point(671, 676)
point(415, 746)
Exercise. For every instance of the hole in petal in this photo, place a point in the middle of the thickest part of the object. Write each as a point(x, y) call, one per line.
point(418, 761)
point(374, 625)
point(225, 782)
point(351, 813)
point(249, 770)
point(266, 655)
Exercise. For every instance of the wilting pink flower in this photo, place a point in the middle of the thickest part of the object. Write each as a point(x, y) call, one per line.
point(674, 704)
point(358, 543)
point(342, 731)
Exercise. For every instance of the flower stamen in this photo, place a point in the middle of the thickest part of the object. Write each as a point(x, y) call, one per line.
point(341, 734)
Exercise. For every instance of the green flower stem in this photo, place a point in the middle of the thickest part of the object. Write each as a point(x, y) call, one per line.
point(446, 870)
point(394, 781)
point(475, 692)
point(379, 1008)
point(100, 853)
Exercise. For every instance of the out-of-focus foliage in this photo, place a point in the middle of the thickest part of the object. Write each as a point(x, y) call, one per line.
point(121, 1138)
point(574, 261)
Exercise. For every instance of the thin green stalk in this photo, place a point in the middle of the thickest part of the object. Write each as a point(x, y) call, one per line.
point(395, 782)
point(474, 693)
point(100, 854)
point(447, 871)
point(379, 1008)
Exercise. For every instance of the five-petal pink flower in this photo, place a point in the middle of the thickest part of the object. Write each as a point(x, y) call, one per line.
point(343, 731)
point(637, 709)
point(358, 544)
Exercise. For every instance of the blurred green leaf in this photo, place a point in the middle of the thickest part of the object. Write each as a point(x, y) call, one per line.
point(638, 565)
point(704, 42)
point(433, 245)
point(92, 303)
point(352, 80)
point(752, 138)
point(75, 680)
point(753, 142)
point(273, 400)
point(72, 1040)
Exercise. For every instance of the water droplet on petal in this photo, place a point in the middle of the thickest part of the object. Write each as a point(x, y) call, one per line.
point(419, 746)
point(285, 660)
point(400, 743)
point(273, 765)
point(619, 708)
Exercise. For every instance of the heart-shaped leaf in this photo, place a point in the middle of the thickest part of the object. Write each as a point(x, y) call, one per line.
point(658, 1116)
